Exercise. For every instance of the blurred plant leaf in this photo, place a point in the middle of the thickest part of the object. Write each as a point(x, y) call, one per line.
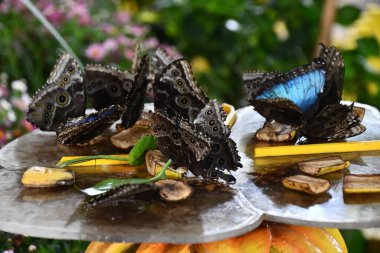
point(347, 15)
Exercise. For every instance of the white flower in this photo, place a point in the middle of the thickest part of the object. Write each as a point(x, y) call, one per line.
point(12, 116)
point(19, 85)
point(5, 105)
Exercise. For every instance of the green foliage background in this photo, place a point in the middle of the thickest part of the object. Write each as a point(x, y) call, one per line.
point(197, 29)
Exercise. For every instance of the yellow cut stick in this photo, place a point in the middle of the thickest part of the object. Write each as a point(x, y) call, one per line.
point(307, 149)
point(95, 161)
point(231, 114)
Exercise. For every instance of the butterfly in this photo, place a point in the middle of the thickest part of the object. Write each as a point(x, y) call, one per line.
point(288, 98)
point(177, 92)
point(134, 101)
point(307, 97)
point(62, 97)
point(82, 129)
point(204, 147)
point(106, 85)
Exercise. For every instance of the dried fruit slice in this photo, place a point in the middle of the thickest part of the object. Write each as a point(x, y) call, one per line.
point(128, 138)
point(355, 183)
point(306, 184)
point(37, 176)
point(320, 166)
point(155, 161)
point(274, 131)
point(173, 190)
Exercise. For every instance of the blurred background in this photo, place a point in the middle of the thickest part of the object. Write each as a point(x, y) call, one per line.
point(221, 38)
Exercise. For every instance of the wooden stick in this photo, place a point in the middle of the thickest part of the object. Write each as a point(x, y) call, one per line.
point(317, 148)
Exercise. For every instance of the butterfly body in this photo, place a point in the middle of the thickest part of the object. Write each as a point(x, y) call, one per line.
point(83, 129)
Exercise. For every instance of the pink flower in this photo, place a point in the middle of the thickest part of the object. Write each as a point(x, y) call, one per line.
point(122, 40)
point(29, 127)
point(4, 92)
point(122, 17)
point(96, 52)
point(107, 28)
point(79, 10)
point(110, 45)
point(22, 102)
point(129, 54)
point(171, 51)
point(137, 30)
point(151, 43)
point(51, 12)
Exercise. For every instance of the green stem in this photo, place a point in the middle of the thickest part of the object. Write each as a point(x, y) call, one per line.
point(36, 12)
point(88, 158)
point(111, 183)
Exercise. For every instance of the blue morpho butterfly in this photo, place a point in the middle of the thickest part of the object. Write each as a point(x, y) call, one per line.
point(62, 97)
point(177, 97)
point(307, 97)
point(81, 130)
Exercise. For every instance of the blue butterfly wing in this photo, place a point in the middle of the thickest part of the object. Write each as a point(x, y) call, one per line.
point(302, 90)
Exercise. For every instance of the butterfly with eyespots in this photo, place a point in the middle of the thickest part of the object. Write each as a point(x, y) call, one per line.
point(204, 146)
point(62, 97)
point(307, 97)
point(177, 92)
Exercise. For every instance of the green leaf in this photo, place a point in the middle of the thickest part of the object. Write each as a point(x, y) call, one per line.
point(137, 154)
point(347, 15)
point(111, 183)
point(368, 47)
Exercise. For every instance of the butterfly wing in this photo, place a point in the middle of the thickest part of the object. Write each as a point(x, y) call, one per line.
point(223, 155)
point(106, 85)
point(83, 129)
point(177, 92)
point(134, 102)
point(287, 97)
point(335, 121)
point(61, 98)
point(334, 75)
point(179, 141)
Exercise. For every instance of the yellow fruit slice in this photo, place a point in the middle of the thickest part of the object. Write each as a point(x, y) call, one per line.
point(37, 176)
point(306, 184)
point(155, 161)
point(231, 114)
point(334, 232)
point(320, 166)
point(152, 248)
point(368, 183)
point(317, 148)
point(95, 162)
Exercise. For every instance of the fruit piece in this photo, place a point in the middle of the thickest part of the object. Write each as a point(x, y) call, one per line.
point(37, 176)
point(152, 248)
point(319, 237)
point(108, 247)
point(173, 190)
point(355, 183)
point(128, 138)
point(273, 131)
point(231, 114)
point(334, 232)
point(178, 248)
point(155, 161)
point(285, 240)
point(320, 166)
point(306, 184)
point(258, 240)
point(94, 162)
